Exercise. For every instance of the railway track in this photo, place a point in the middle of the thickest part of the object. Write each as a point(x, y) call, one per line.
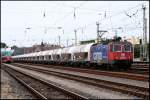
point(138, 71)
point(140, 65)
point(41, 88)
point(136, 68)
point(120, 87)
point(139, 68)
point(128, 74)
point(141, 62)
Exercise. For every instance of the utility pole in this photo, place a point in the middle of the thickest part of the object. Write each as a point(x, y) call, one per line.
point(97, 23)
point(144, 42)
point(59, 36)
point(27, 36)
point(116, 33)
point(99, 32)
point(67, 42)
point(59, 40)
point(75, 31)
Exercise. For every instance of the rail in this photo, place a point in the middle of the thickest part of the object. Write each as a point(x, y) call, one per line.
point(120, 87)
point(40, 95)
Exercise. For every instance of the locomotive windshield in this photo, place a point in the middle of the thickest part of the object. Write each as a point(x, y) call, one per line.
point(117, 47)
point(120, 48)
point(127, 47)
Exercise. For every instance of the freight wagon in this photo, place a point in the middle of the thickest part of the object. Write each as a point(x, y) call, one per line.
point(113, 55)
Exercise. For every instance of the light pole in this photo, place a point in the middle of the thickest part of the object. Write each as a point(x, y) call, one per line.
point(27, 28)
point(59, 28)
point(144, 43)
point(14, 42)
point(59, 35)
point(75, 32)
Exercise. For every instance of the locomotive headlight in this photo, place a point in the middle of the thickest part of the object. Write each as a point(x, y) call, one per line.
point(122, 54)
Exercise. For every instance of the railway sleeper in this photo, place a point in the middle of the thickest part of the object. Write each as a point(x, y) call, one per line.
point(122, 87)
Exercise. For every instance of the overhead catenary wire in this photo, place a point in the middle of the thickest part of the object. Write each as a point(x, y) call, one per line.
point(131, 28)
point(85, 26)
point(122, 12)
point(134, 28)
point(65, 16)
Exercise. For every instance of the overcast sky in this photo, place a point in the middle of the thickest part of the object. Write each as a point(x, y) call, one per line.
point(24, 23)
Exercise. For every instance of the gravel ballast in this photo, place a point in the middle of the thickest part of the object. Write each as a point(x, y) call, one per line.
point(102, 77)
point(12, 89)
point(84, 89)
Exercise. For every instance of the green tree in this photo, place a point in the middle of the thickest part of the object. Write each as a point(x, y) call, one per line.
point(14, 47)
point(87, 41)
point(3, 45)
point(136, 50)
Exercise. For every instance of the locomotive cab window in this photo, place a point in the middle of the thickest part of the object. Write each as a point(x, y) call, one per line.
point(117, 47)
point(127, 47)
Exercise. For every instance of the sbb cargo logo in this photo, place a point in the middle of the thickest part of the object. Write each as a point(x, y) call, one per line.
point(97, 56)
